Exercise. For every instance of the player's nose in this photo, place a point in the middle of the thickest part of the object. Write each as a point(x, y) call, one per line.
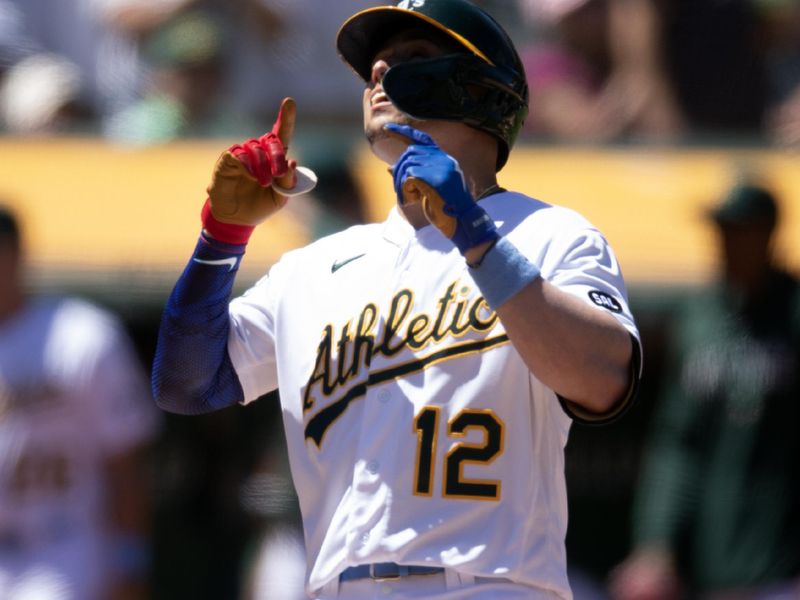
point(379, 68)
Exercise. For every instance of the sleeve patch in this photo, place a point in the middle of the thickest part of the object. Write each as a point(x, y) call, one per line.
point(606, 301)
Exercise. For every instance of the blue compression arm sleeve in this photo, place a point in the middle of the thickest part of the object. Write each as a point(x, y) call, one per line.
point(192, 370)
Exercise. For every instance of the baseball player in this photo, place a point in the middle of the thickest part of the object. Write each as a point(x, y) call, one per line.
point(429, 367)
point(74, 417)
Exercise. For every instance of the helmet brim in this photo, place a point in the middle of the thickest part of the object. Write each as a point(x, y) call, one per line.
point(359, 37)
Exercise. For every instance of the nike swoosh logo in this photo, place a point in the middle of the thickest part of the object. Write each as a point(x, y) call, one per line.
point(231, 262)
point(340, 263)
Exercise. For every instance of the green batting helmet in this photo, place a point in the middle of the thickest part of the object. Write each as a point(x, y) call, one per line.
point(484, 86)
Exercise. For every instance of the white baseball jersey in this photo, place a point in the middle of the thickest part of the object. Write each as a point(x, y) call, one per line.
point(416, 433)
point(71, 395)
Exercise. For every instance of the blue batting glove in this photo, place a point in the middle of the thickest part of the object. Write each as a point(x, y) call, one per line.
point(426, 173)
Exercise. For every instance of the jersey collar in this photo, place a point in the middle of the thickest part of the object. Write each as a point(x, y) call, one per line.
point(396, 230)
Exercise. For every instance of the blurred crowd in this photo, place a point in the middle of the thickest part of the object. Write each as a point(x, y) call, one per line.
point(149, 71)
point(664, 70)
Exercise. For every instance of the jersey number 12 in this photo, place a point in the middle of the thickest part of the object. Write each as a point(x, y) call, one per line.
point(455, 485)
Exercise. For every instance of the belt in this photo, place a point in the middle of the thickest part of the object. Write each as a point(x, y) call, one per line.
point(384, 571)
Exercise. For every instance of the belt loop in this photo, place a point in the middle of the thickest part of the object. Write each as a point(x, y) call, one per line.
point(466, 579)
point(455, 580)
point(451, 579)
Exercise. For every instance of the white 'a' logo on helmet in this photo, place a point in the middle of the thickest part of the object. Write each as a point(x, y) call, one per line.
point(411, 4)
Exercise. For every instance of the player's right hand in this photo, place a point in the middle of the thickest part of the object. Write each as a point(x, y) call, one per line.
point(241, 192)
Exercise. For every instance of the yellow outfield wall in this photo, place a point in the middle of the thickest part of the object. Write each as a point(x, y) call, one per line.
point(89, 206)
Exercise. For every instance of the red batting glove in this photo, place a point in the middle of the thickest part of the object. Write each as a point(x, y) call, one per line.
point(241, 195)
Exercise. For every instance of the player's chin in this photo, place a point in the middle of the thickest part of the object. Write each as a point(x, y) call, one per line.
point(384, 146)
point(376, 120)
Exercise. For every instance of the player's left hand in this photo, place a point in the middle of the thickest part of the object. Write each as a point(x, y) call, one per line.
point(427, 174)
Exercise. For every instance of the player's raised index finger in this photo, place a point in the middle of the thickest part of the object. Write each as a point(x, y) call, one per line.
point(284, 124)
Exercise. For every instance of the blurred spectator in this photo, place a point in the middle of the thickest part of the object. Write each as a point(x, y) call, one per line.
point(184, 96)
point(716, 57)
point(39, 91)
point(138, 17)
point(40, 94)
point(663, 69)
point(597, 73)
point(97, 65)
point(75, 421)
point(716, 511)
point(783, 120)
point(782, 19)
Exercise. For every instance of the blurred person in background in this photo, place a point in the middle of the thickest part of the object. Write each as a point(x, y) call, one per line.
point(39, 90)
point(185, 91)
point(75, 422)
point(716, 58)
point(715, 515)
point(597, 72)
point(40, 96)
point(68, 65)
point(661, 70)
point(782, 18)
